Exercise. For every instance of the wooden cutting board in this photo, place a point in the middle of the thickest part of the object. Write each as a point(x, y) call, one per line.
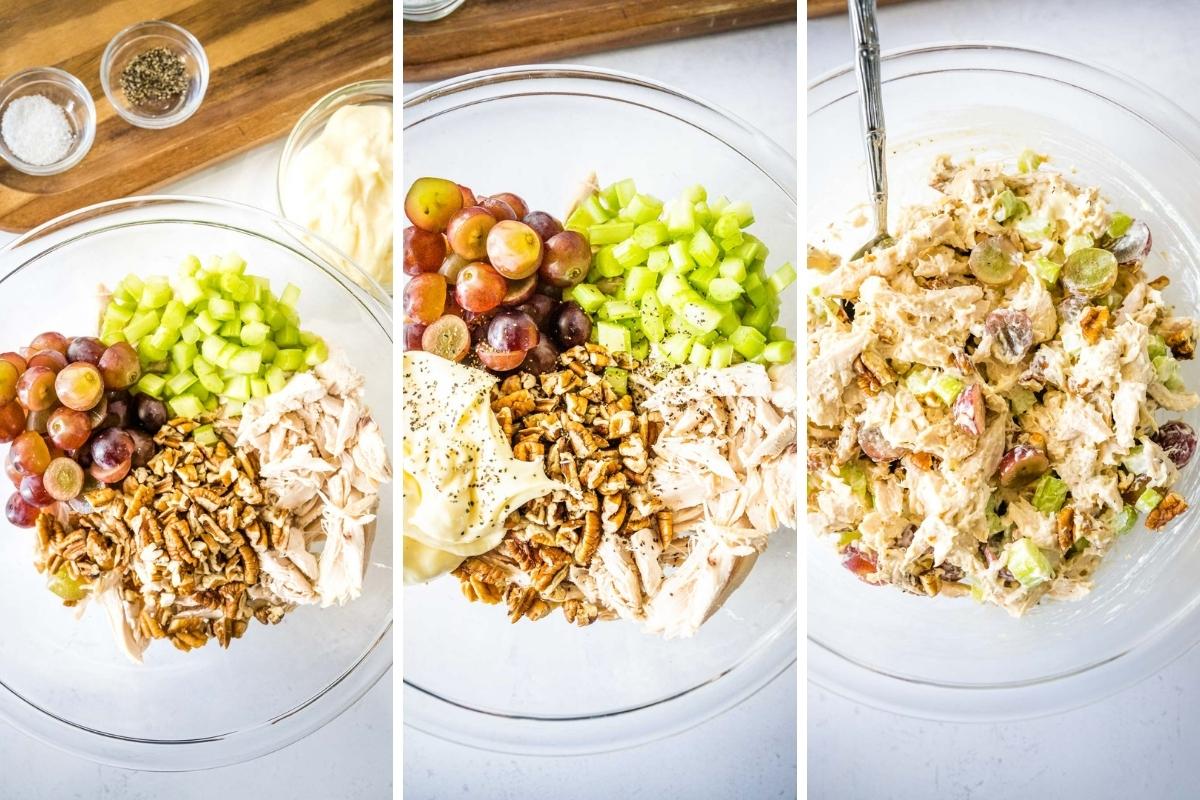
point(269, 60)
point(483, 34)
point(825, 8)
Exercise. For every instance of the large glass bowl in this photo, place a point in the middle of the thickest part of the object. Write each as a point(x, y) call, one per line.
point(64, 681)
point(954, 659)
point(547, 687)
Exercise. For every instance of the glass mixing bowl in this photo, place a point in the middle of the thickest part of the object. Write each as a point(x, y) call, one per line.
point(547, 687)
point(64, 681)
point(954, 659)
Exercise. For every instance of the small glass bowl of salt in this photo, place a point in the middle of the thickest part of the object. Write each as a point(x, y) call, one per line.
point(47, 121)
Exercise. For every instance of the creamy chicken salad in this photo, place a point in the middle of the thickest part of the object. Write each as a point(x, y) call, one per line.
point(983, 391)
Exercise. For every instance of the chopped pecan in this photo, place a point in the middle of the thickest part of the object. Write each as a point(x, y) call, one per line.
point(1171, 507)
point(1093, 322)
point(1065, 528)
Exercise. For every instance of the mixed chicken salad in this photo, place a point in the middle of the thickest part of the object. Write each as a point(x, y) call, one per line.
point(991, 395)
point(599, 414)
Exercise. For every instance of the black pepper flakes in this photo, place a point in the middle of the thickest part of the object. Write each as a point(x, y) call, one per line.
point(154, 78)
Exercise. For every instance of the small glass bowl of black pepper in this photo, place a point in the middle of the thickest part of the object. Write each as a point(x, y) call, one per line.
point(154, 73)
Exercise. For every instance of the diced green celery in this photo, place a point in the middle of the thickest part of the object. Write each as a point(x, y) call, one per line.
point(855, 476)
point(207, 325)
point(777, 333)
point(276, 378)
point(780, 352)
point(731, 243)
point(156, 293)
point(152, 385)
point(180, 383)
point(1165, 367)
point(782, 278)
point(212, 382)
point(1034, 227)
point(1027, 563)
point(724, 290)
point(677, 347)
point(234, 263)
point(681, 219)
point(748, 341)
point(251, 312)
point(1021, 400)
point(317, 353)
point(701, 314)
point(947, 388)
point(700, 354)
point(1118, 224)
point(1049, 494)
point(726, 225)
point(613, 337)
point(230, 329)
point(733, 268)
point(186, 405)
point(289, 335)
point(190, 333)
point(1029, 161)
point(625, 190)
point(1008, 206)
point(141, 325)
point(586, 295)
point(617, 310)
point(680, 260)
point(742, 212)
point(1078, 241)
point(760, 318)
point(638, 282)
point(702, 277)
point(132, 285)
point(189, 291)
point(117, 315)
point(211, 348)
point(618, 379)
point(238, 387)
point(610, 232)
point(205, 435)
point(1156, 346)
point(670, 286)
point(1125, 519)
point(259, 389)
point(183, 355)
point(703, 249)
point(629, 254)
point(290, 360)
point(1047, 270)
point(255, 333)
point(606, 263)
point(721, 355)
point(221, 309)
point(650, 234)
point(703, 216)
point(658, 259)
point(1148, 501)
point(246, 362)
point(111, 337)
point(642, 208)
point(651, 320)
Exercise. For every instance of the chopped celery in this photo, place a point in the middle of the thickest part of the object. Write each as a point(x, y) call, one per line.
point(1118, 224)
point(1125, 519)
point(1029, 161)
point(650, 234)
point(658, 259)
point(1008, 206)
point(724, 289)
point(1049, 494)
point(276, 378)
point(238, 387)
point(722, 355)
point(205, 435)
point(186, 406)
point(254, 333)
point(651, 317)
point(677, 347)
point(183, 355)
point(618, 379)
point(289, 360)
point(700, 355)
point(212, 382)
point(733, 268)
point(180, 383)
point(703, 249)
point(586, 295)
point(642, 208)
point(1047, 270)
point(1027, 563)
point(606, 263)
point(1034, 227)
point(613, 337)
point(629, 254)
point(777, 333)
point(141, 325)
point(152, 385)
point(610, 232)
point(1148, 501)
point(221, 309)
point(1075, 242)
point(156, 293)
point(780, 352)
point(638, 282)
point(701, 314)
point(680, 260)
point(259, 388)
point(742, 213)
point(246, 362)
point(748, 341)
point(947, 387)
point(618, 310)
point(782, 278)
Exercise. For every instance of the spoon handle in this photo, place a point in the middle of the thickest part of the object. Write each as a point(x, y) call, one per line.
point(866, 68)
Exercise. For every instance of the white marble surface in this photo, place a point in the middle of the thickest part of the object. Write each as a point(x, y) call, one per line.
point(349, 758)
point(749, 752)
point(1139, 743)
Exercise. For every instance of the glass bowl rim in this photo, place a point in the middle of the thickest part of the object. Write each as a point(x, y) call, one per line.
point(925, 698)
point(141, 120)
point(611, 730)
point(304, 717)
point(86, 137)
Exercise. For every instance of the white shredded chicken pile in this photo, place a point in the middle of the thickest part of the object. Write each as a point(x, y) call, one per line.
point(323, 456)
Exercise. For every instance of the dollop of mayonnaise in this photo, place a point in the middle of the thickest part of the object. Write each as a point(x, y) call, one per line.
point(339, 186)
point(461, 480)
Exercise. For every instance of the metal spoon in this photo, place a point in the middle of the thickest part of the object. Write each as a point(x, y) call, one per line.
point(870, 94)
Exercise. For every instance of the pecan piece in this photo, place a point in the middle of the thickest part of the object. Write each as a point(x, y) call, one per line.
point(1093, 322)
point(1171, 507)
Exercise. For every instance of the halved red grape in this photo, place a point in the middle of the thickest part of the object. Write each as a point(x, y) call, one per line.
point(35, 389)
point(111, 448)
point(98, 416)
point(120, 366)
point(20, 513)
point(542, 358)
point(468, 197)
point(451, 266)
point(12, 472)
point(498, 209)
point(63, 479)
point(36, 421)
point(68, 428)
point(79, 386)
point(16, 360)
point(545, 225)
point(413, 331)
point(143, 447)
point(9, 375)
point(468, 232)
point(51, 359)
point(113, 475)
point(519, 207)
point(1178, 441)
point(1021, 465)
point(151, 413)
point(1013, 332)
point(29, 453)
point(480, 287)
point(12, 421)
point(431, 202)
point(519, 291)
point(86, 348)
point(424, 297)
point(567, 260)
point(512, 330)
point(514, 249)
point(499, 360)
point(1133, 245)
point(423, 250)
point(540, 309)
point(33, 491)
point(448, 337)
point(572, 326)
point(50, 341)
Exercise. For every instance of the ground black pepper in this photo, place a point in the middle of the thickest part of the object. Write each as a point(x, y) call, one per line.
point(155, 77)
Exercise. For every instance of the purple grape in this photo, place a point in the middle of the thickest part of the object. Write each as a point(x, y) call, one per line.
point(20, 513)
point(1133, 245)
point(86, 348)
point(542, 358)
point(151, 413)
point(120, 414)
point(1013, 331)
point(540, 309)
point(1178, 441)
point(572, 326)
point(512, 330)
point(544, 224)
point(143, 446)
point(111, 448)
point(33, 492)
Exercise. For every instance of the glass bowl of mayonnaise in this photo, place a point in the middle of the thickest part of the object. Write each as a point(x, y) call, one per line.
point(335, 175)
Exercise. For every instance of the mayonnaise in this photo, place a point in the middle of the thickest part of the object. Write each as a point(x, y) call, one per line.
point(461, 480)
point(339, 186)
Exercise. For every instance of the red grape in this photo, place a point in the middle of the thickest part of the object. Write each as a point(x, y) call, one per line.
point(113, 475)
point(413, 331)
point(11, 471)
point(9, 375)
point(50, 341)
point(120, 366)
point(79, 386)
point(572, 326)
point(33, 491)
point(1178, 441)
point(448, 337)
point(98, 416)
point(16, 360)
point(542, 358)
point(86, 348)
point(452, 266)
point(111, 448)
point(519, 207)
point(20, 513)
point(431, 202)
point(35, 389)
point(12, 421)
point(143, 447)
point(68, 428)
point(29, 454)
point(468, 197)
point(498, 209)
point(51, 359)
point(512, 330)
point(423, 250)
point(468, 232)
point(36, 421)
point(119, 411)
point(480, 287)
point(424, 297)
point(499, 360)
point(519, 291)
point(63, 479)
point(545, 225)
point(151, 413)
point(514, 249)
point(540, 309)
point(568, 257)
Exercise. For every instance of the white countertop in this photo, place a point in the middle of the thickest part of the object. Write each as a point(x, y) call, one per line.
point(749, 752)
point(1140, 743)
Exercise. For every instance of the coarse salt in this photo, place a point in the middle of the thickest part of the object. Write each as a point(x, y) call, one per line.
point(36, 130)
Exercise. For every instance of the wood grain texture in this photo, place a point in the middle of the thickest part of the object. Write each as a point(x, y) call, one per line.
point(484, 34)
point(826, 8)
point(269, 60)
